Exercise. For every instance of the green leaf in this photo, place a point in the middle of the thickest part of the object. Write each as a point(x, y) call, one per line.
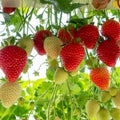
point(63, 5)
point(30, 90)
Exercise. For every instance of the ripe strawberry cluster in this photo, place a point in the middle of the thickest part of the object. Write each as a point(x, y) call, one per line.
point(98, 110)
point(70, 44)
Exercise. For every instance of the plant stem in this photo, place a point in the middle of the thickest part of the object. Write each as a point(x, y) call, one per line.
point(71, 102)
point(51, 101)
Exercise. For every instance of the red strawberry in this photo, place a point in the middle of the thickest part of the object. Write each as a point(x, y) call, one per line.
point(8, 10)
point(12, 61)
point(67, 34)
point(71, 56)
point(89, 35)
point(108, 52)
point(9, 6)
point(39, 40)
point(111, 29)
point(100, 77)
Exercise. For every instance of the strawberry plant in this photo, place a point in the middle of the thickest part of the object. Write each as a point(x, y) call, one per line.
point(59, 60)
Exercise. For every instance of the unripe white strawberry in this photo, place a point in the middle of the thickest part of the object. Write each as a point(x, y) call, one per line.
point(113, 91)
point(92, 107)
point(27, 44)
point(116, 100)
point(103, 114)
point(60, 76)
point(105, 96)
point(52, 46)
point(115, 113)
point(9, 93)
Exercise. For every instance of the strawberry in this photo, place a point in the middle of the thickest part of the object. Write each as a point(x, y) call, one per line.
point(9, 93)
point(92, 107)
point(111, 29)
point(113, 91)
point(39, 40)
point(8, 10)
point(52, 46)
point(100, 77)
point(67, 34)
point(116, 100)
point(9, 6)
point(21, 101)
point(108, 52)
point(103, 114)
point(27, 44)
point(60, 76)
point(105, 96)
point(115, 113)
point(12, 61)
point(71, 56)
point(88, 35)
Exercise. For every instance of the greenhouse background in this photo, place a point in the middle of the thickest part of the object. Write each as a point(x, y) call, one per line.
point(60, 60)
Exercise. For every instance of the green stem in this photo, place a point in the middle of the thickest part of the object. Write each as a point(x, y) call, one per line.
point(71, 102)
point(60, 19)
point(56, 17)
point(63, 110)
point(11, 112)
point(51, 101)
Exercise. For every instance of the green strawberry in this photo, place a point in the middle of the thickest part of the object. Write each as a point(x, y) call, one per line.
point(92, 107)
point(32, 104)
point(113, 91)
point(115, 113)
point(116, 100)
point(105, 96)
point(60, 76)
point(21, 101)
point(103, 114)
point(27, 44)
